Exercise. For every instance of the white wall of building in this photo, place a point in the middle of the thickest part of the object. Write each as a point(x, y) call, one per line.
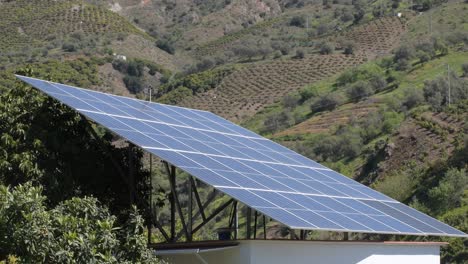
point(305, 252)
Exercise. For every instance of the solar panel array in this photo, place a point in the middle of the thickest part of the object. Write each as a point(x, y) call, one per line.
point(258, 172)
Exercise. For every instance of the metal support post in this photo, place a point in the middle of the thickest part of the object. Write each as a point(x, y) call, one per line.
point(171, 171)
point(171, 201)
point(150, 213)
point(236, 220)
point(190, 210)
point(197, 199)
point(255, 225)
point(131, 173)
point(248, 223)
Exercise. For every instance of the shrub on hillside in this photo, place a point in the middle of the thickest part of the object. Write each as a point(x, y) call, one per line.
point(246, 51)
point(165, 45)
point(413, 98)
point(398, 184)
point(351, 76)
point(456, 37)
point(378, 82)
point(134, 84)
point(205, 64)
point(69, 47)
point(300, 54)
point(359, 90)
point(298, 21)
point(426, 47)
point(346, 15)
point(284, 48)
point(307, 93)
point(404, 52)
point(290, 101)
point(326, 48)
point(423, 57)
point(175, 96)
point(349, 47)
point(135, 68)
point(358, 15)
point(276, 122)
point(323, 29)
point(335, 147)
point(449, 193)
point(465, 69)
point(327, 102)
point(402, 65)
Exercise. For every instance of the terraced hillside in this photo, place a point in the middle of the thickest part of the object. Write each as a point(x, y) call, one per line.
point(246, 91)
point(326, 121)
point(424, 139)
point(20, 19)
point(249, 90)
point(378, 37)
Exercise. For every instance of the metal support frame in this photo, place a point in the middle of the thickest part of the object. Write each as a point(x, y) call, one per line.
point(188, 228)
point(233, 219)
point(201, 212)
point(197, 198)
point(212, 215)
point(171, 172)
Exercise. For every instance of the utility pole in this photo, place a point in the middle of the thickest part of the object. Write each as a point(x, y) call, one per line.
point(381, 9)
point(448, 82)
point(430, 22)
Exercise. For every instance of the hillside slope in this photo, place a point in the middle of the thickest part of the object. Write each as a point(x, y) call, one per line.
point(37, 30)
point(251, 88)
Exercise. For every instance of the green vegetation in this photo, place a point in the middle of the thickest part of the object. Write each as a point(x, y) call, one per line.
point(78, 230)
point(69, 161)
point(20, 19)
point(182, 87)
point(134, 71)
point(81, 72)
point(34, 30)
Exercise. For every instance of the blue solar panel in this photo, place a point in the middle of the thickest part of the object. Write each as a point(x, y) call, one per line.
point(260, 173)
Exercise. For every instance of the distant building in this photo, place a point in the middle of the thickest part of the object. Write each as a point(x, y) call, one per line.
point(120, 57)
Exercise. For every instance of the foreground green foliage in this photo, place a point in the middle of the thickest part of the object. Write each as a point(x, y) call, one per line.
point(79, 230)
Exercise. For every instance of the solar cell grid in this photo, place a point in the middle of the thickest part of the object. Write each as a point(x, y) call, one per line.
point(262, 174)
